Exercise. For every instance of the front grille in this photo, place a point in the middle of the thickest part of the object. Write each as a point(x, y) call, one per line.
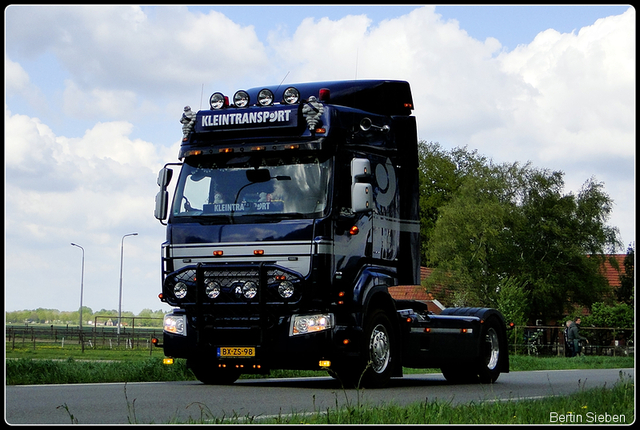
point(229, 281)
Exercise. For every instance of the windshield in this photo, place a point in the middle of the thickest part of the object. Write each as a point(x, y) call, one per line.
point(237, 186)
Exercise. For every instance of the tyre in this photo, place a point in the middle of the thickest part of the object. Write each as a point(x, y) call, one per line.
point(460, 375)
point(206, 373)
point(378, 350)
point(491, 346)
point(486, 367)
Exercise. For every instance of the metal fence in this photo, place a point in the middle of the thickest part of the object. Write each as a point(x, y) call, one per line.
point(550, 341)
point(102, 334)
point(134, 333)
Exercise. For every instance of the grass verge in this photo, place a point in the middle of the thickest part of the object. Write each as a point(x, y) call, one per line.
point(28, 371)
point(606, 405)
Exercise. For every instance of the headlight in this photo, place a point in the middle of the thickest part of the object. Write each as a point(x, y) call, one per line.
point(241, 99)
point(303, 324)
point(265, 97)
point(176, 324)
point(285, 289)
point(212, 290)
point(217, 101)
point(291, 96)
point(180, 290)
point(249, 289)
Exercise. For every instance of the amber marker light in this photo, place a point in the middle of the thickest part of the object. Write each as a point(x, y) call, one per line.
point(218, 253)
point(354, 230)
point(258, 252)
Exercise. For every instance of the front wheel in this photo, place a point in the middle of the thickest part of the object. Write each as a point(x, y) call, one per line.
point(378, 350)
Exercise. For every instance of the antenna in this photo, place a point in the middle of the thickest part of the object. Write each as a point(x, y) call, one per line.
point(201, 94)
point(285, 77)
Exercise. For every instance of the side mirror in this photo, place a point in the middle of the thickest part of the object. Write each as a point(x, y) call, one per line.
point(361, 198)
point(164, 177)
point(361, 190)
point(162, 204)
point(162, 198)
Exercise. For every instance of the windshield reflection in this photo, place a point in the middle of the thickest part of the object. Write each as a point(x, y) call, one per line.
point(248, 185)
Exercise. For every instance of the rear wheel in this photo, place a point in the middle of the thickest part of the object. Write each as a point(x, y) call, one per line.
point(210, 375)
point(490, 350)
point(486, 367)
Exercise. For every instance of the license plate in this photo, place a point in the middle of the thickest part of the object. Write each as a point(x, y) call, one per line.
point(236, 351)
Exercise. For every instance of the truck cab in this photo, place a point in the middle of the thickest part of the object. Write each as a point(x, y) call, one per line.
point(295, 210)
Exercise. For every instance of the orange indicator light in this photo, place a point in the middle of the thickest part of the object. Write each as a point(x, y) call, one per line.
point(354, 230)
point(258, 252)
point(218, 253)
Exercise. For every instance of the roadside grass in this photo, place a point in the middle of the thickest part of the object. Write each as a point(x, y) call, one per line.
point(26, 367)
point(56, 352)
point(602, 405)
point(606, 403)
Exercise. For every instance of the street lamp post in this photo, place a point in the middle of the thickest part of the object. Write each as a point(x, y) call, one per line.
point(81, 291)
point(120, 296)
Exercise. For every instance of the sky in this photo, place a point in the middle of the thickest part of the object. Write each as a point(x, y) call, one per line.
point(93, 98)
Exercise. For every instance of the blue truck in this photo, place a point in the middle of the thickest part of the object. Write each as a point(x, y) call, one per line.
point(294, 215)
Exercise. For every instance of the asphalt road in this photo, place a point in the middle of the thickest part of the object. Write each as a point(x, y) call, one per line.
point(166, 402)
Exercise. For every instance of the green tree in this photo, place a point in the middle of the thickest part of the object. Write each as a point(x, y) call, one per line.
point(626, 292)
point(513, 221)
point(441, 174)
point(620, 315)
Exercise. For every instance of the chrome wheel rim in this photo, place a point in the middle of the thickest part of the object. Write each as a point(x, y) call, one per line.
point(380, 349)
point(493, 346)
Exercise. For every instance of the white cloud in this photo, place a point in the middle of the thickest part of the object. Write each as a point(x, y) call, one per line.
point(90, 190)
point(565, 101)
point(18, 83)
point(123, 48)
point(583, 91)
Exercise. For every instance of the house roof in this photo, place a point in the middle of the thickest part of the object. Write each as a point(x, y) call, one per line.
point(418, 293)
point(611, 273)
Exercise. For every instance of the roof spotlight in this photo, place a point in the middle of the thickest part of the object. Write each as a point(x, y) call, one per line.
point(291, 96)
point(265, 97)
point(241, 99)
point(218, 101)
